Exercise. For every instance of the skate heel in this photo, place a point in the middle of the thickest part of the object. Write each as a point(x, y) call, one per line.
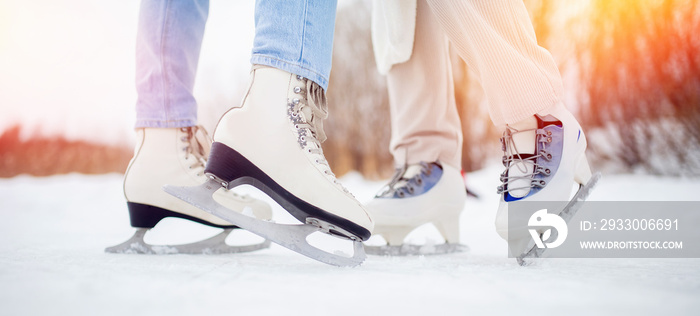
point(147, 216)
point(394, 235)
point(583, 171)
point(448, 226)
point(226, 165)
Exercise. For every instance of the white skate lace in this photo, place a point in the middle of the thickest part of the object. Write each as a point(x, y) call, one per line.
point(513, 158)
point(403, 185)
point(307, 114)
point(198, 144)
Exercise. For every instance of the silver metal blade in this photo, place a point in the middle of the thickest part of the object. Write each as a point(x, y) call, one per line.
point(214, 245)
point(290, 236)
point(415, 250)
point(566, 214)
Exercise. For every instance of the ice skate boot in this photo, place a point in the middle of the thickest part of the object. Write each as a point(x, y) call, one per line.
point(416, 195)
point(272, 142)
point(544, 159)
point(177, 156)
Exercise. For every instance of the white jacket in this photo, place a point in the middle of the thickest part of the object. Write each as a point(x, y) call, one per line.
point(393, 30)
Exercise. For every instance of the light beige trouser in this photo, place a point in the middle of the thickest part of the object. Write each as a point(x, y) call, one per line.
point(497, 41)
point(425, 124)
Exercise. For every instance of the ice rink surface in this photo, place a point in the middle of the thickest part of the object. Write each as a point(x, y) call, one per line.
point(55, 229)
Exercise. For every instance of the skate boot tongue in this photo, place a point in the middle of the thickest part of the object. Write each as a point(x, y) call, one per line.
point(411, 171)
point(407, 179)
point(316, 110)
point(199, 143)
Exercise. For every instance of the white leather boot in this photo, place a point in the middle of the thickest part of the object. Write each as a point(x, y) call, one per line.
point(544, 159)
point(175, 156)
point(273, 142)
point(419, 194)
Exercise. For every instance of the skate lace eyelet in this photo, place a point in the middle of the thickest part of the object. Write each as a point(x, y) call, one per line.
point(419, 181)
point(297, 89)
point(547, 171)
point(296, 126)
point(549, 156)
point(401, 194)
point(542, 182)
point(295, 101)
point(549, 139)
point(549, 133)
point(302, 138)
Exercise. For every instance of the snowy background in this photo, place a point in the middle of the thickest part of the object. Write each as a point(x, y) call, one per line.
point(66, 68)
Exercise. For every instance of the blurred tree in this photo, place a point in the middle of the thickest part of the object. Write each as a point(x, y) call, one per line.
point(358, 126)
point(640, 75)
point(541, 12)
point(45, 156)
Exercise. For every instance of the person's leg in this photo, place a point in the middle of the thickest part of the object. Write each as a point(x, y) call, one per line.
point(168, 42)
point(296, 37)
point(170, 148)
point(425, 124)
point(544, 146)
point(426, 141)
point(273, 140)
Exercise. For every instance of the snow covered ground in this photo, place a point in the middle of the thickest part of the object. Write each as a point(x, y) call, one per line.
point(55, 229)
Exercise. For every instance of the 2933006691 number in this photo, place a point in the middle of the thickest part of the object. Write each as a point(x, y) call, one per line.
point(639, 224)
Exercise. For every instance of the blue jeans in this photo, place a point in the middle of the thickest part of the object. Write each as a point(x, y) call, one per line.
point(294, 36)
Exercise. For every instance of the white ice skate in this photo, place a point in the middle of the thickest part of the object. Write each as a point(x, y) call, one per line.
point(544, 159)
point(416, 195)
point(177, 156)
point(272, 142)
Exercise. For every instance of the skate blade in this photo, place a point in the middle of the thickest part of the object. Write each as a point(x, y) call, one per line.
point(210, 246)
point(566, 214)
point(290, 236)
point(406, 250)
